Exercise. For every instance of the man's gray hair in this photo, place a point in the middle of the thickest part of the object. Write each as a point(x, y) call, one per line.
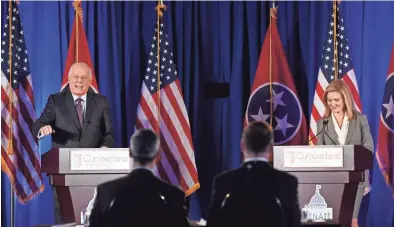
point(145, 144)
point(80, 63)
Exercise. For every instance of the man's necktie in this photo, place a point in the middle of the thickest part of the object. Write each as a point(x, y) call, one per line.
point(78, 107)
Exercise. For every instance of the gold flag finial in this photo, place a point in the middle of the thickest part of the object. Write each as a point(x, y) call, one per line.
point(273, 12)
point(159, 7)
point(78, 8)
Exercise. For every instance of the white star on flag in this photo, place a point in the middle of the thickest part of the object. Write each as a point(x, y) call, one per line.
point(283, 125)
point(390, 107)
point(260, 116)
point(277, 99)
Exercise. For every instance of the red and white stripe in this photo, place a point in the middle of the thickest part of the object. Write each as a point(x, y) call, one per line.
point(23, 166)
point(318, 108)
point(177, 163)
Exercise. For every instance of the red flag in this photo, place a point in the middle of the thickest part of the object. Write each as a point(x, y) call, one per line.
point(288, 120)
point(385, 145)
point(78, 49)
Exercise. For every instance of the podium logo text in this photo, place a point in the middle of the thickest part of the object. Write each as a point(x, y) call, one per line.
point(318, 157)
point(99, 160)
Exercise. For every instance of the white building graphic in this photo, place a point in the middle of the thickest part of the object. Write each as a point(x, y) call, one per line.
point(317, 209)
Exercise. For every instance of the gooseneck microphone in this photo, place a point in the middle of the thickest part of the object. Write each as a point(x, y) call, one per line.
point(225, 200)
point(330, 137)
point(105, 215)
point(325, 123)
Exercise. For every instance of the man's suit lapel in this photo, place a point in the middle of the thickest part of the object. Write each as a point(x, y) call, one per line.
point(331, 131)
point(352, 124)
point(71, 109)
point(90, 104)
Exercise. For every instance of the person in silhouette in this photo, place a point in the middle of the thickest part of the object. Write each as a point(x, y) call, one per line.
point(255, 194)
point(140, 198)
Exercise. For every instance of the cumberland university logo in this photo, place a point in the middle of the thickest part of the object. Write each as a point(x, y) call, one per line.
point(290, 157)
point(317, 210)
point(77, 160)
point(287, 112)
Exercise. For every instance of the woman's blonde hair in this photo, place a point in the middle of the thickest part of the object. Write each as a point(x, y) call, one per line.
point(341, 87)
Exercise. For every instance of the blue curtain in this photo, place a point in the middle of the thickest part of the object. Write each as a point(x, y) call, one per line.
point(213, 42)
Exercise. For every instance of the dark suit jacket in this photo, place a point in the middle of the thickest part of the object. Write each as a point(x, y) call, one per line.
point(283, 185)
point(60, 113)
point(139, 199)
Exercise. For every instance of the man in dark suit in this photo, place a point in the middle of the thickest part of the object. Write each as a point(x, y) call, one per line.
point(76, 118)
point(255, 194)
point(140, 198)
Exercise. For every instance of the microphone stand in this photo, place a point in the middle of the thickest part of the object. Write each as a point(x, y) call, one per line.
point(325, 123)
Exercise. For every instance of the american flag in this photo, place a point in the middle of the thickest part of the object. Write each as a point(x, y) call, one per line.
point(327, 71)
point(177, 163)
point(22, 164)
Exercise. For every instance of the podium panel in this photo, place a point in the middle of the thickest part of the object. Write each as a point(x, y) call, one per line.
point(74, 174)
point(328, 178)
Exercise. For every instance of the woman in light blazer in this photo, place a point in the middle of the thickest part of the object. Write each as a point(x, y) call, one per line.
point(345, 126)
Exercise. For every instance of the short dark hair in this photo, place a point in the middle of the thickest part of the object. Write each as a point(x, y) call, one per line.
point(144, 146)
point(257, 136)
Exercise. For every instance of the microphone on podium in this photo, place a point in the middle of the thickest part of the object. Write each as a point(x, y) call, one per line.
point(330, 138)
point(325, 123)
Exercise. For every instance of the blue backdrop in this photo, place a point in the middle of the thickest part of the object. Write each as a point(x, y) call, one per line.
point(213, 42)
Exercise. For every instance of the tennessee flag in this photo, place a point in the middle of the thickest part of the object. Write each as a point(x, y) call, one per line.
point(274, 97)
point(381, 198)
point(385, 145)
point(78, 49)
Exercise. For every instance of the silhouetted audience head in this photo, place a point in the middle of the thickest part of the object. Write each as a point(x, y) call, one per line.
point(257, 137)
point(144, 146)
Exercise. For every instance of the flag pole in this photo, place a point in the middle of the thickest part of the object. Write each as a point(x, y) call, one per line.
point(270, 63)
point(78, 13)
point(10, 135)
point(159, 7)
point(272, 15)
point(334, 10)
point(10, 149)
point(12, 206)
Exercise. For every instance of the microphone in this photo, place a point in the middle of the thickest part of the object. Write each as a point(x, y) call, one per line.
point(106, 211)
point(163, 198)
point(225, 200)
point(330, 138)
point(281, 211)
point(325, 123)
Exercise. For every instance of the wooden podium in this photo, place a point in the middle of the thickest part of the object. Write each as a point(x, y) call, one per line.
point(74, 173)
point(328, 178)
